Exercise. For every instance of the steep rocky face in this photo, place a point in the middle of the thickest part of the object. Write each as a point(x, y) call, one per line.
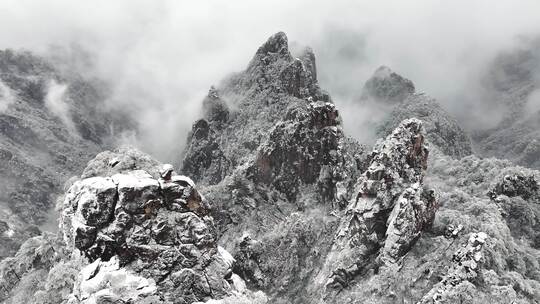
point(51, 125)
point(272, 216)
point(203, 159)
point(397, 96)
point(298, 148)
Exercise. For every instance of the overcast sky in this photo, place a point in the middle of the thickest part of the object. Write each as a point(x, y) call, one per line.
point(164, 55)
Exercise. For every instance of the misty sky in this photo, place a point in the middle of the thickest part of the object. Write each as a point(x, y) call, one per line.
point(164, 55)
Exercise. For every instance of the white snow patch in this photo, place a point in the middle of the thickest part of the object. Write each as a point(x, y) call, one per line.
point(107, 278)
point(227, 257)
point(183, 178)
point(9, 233)
point(135, 179)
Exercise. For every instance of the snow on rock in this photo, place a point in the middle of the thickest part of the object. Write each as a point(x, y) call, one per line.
point(414, 212)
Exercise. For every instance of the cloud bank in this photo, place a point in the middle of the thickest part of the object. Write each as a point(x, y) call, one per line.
point(162, 56)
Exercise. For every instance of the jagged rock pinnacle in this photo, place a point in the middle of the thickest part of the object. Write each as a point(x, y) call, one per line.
point(391, 206)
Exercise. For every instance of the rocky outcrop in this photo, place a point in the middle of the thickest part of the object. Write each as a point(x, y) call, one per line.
point(158, 231)
point(414, 212)
point(517, 184)
point(290, 165)
point(390, 209)
point(128, 236)
point(203, 158)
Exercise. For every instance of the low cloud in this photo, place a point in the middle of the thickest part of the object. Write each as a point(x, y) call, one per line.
point(7, 97)
point(55, 102)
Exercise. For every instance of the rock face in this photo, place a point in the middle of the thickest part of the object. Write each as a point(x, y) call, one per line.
point(51, 124)
point(130, 237)
point(397, 96)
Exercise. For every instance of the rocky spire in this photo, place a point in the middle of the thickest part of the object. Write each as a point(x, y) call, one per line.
point(391, 206)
